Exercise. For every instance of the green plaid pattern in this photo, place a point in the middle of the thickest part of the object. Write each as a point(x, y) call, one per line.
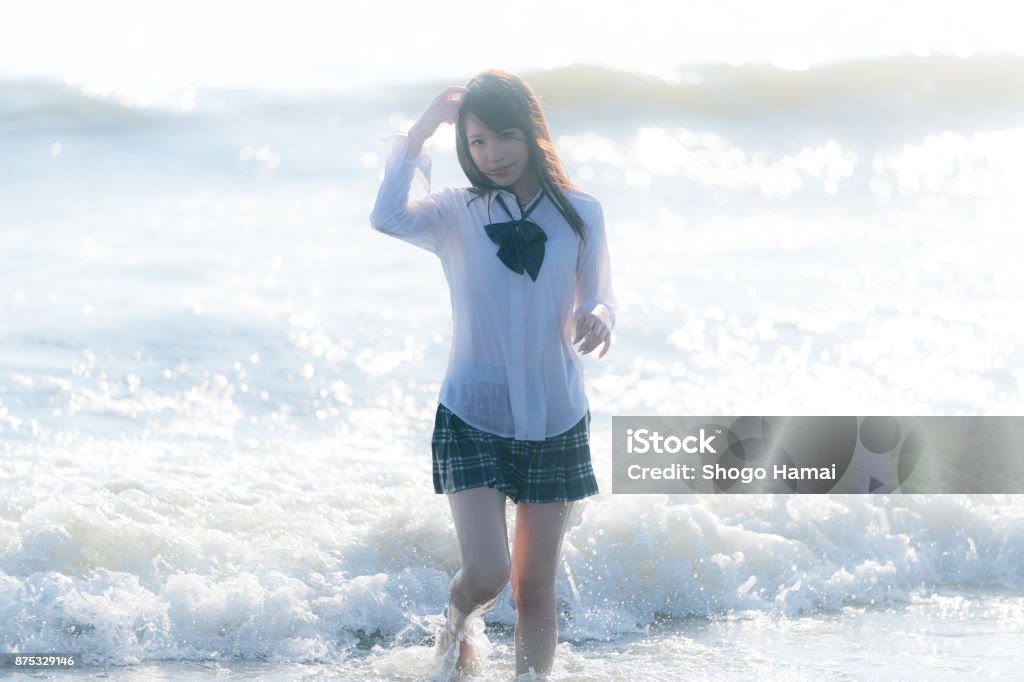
point(552, 470)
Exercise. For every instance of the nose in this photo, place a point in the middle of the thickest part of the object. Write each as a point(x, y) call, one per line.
point(494, 156)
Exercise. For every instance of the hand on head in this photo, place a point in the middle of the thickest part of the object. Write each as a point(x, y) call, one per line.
point(443, 109)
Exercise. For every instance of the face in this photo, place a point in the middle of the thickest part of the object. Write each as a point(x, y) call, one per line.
point(503, 156)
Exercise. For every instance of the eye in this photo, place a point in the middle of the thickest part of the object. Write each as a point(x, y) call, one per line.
point(472, 142)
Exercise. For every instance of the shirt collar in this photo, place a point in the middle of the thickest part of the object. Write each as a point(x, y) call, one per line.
point(511, 196)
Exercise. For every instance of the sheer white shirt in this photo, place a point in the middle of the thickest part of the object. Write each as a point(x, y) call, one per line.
point(512, 369)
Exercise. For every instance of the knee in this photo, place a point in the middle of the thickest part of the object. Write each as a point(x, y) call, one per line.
point(531, 590)
point(486, 580)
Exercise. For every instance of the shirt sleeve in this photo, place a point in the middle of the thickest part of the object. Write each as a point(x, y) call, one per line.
point(594, 274)
point(424, 223)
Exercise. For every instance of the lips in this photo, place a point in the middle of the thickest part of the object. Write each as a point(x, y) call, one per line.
point(501, 171)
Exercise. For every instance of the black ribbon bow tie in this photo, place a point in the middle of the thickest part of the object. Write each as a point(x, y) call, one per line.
point(521, 242)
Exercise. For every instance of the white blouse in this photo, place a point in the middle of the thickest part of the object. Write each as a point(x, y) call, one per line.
point(512, 369)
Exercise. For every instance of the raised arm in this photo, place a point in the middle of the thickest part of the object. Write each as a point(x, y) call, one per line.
point(426, 222)
point(595, 304)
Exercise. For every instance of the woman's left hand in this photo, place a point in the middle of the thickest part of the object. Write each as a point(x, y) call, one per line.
point(593, 332)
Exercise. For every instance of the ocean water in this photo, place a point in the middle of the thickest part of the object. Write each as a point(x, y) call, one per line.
point(217, 382)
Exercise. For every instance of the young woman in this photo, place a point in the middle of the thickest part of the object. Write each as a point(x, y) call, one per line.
point(526, 259)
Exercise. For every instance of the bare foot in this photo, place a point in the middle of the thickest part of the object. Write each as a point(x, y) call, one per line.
point(467, 654)
point(462, 652)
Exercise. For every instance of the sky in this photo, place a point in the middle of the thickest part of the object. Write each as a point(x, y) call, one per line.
point(319, 45)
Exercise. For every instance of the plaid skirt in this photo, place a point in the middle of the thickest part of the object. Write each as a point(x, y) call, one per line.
point(552, 470)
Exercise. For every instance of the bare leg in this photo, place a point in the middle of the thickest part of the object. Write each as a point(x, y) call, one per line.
point(479, 515)
point(538, 544)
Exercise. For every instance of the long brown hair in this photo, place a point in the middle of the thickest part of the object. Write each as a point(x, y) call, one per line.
point(501, 100)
